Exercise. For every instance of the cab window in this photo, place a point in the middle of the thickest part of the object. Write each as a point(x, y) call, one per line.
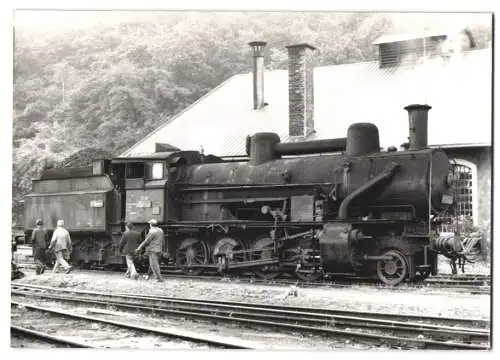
point(135, 170)
point(157, 170)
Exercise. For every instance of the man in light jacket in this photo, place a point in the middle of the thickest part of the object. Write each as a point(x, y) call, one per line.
point(62, 247)
point(154, 245)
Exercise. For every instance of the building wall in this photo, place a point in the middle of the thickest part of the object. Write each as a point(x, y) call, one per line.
point(481, 158)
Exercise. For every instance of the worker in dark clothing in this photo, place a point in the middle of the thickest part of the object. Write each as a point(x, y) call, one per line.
point(15, 273)
point(129, 242)
point(40, 242)
point(153, 245)
point(114, 179)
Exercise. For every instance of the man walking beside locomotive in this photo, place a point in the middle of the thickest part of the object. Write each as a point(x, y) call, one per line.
point(61, 245)
point(154, 245)
point(129, 242)
point(39, 241)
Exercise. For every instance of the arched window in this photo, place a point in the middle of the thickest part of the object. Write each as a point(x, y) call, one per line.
point(466, 189)
point(465, 195)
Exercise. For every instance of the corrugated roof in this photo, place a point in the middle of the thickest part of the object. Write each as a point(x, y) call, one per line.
point(458, 89)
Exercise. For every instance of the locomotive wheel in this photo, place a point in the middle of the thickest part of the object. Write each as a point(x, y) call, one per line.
point(227, 245)
point(392, 272)
point(308, 270)
point(263, 247)
point(308, 273)
point(192, 251)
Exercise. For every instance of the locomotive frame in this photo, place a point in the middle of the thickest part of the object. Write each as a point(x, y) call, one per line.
point(307, 208)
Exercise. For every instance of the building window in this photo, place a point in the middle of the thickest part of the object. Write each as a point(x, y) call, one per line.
point(463, 190)
point(465, 195)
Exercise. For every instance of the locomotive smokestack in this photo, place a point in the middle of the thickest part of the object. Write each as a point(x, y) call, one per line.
point(418, 115)
point(258, 73)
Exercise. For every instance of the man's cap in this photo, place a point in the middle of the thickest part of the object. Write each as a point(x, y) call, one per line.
point(39, 222)
point(129, 225)
point(153, 222)
point(60, 222)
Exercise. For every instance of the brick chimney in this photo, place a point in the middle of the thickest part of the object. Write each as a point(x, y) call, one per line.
point(300, 90)
point(258, 73)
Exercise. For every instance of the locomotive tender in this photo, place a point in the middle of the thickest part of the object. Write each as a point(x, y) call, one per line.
point(307, 208)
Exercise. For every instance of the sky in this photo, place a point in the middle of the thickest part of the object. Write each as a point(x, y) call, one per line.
point(44, 20)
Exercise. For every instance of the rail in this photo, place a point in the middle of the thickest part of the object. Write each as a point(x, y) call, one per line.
point(371, 327)
point(185, 335)
point(20, 331)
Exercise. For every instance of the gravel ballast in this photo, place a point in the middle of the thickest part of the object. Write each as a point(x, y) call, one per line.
point(355, 297)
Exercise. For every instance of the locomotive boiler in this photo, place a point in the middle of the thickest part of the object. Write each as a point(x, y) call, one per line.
point(338, 206)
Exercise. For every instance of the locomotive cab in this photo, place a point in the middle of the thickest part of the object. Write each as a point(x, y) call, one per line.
point(147, 182)
point(142, 183)
point(146, 185)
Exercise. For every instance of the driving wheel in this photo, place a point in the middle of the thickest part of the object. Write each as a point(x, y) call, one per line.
point(192, 251)
point(228, 246)
point(263, 250)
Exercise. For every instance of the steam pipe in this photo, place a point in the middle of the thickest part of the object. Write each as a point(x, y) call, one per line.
point(385, 175)
point(311, 147)
point(264, 147)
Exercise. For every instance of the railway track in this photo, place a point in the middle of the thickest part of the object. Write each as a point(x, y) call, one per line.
point(363, 327)
point(470, 283)
point(113, 330)
point(444, 284)
point(24, 333)
point(441, 284)
point(460, 280)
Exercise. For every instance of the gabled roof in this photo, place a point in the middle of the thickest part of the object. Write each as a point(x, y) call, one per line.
point(459, 89)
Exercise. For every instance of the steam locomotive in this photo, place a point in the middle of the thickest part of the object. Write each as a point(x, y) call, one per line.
point(337, 206)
